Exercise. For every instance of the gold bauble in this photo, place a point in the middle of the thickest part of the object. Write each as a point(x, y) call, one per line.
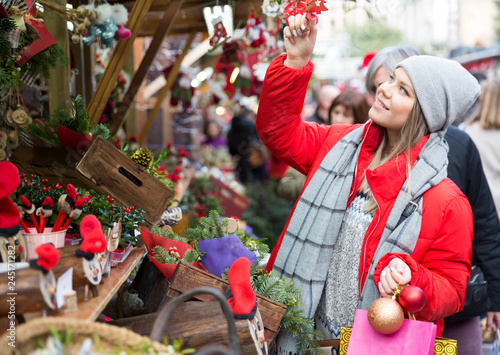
point(385, 315)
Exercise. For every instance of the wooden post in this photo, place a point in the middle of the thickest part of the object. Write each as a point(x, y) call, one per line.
point(84, 64)
point(131, 117)
point(58, 84)
point(162, 29)
point(115, 65)
point(163, 93)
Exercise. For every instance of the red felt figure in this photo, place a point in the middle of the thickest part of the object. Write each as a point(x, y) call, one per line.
point(88, 224)
point(44, 212)
point(48, 257)
point(10, 218)
point(9, 179)
point(94, 243)
point(244, 302)
point(75, 212)
point(29, 208)
point(65, 204)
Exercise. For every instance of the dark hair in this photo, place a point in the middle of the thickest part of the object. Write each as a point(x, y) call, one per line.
point(351, 100)
point(207, 124)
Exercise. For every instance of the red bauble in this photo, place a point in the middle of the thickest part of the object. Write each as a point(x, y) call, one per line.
point(412, 298)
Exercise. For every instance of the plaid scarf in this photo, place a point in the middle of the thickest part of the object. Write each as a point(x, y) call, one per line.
point(306, 249)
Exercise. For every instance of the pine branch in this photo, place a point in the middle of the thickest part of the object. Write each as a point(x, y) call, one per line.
point(162, 255)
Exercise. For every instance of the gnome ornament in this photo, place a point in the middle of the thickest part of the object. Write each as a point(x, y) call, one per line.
point(12, 242)
point(48, 257)
point(243, 303)
point(92, 244)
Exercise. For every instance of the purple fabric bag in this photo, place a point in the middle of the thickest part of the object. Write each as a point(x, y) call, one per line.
point(222, 252)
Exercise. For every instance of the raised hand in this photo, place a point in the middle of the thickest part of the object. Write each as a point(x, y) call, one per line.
point(300, 38)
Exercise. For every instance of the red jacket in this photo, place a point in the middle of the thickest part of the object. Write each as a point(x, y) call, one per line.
point(440, 262)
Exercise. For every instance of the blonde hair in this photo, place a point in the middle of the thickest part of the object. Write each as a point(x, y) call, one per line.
point(489, 111)
point(413, 130)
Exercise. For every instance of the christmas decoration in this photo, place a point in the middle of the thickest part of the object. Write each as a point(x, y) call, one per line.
point(48, 257)
point(182, 91)
point(255, 33)
point(143, 157)
point(219, 31)
point(311, 8)
point(244, 302)
point(412, 298)
point(88, 224)
point(385, 315)
point(82, 17)
point(10, 235)
point(272, 8)
point(109, 20)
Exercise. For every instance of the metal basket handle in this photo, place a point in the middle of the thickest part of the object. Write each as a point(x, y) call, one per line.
point(166, 312)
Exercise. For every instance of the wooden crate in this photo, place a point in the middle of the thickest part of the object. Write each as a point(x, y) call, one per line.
point(198, 324)
point(102, 168)
point(187, 277)
point(121, 177)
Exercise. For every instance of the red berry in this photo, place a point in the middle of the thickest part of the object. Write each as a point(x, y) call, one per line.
point(25, 181)
point(132, 208)
point(49, 188)
point(23, 176)
point(32, 176)
point(44, 189)
point(127, 210)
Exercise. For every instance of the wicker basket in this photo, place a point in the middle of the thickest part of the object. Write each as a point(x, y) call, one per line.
point(111, 338)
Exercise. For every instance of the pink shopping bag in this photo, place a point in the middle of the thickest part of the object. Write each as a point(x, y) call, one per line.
point(413, 338)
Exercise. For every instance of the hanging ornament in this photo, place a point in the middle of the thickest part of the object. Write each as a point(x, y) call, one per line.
point(385, 315)
point(219, 31)
point(311, 8)
point(271, 8)
point(255, 33)
point(412, 298)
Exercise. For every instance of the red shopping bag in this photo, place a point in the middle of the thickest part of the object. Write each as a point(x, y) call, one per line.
point(413, 338)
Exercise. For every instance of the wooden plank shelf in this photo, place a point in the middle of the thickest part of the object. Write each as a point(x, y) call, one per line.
point(92, 308)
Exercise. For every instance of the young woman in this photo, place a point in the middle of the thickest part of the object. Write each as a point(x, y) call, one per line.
point(377, 209)
point(465, 170)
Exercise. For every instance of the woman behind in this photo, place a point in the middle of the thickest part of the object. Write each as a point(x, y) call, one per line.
point(349, 239)
point(484, 129)
point(349, 107)
point(213, 135)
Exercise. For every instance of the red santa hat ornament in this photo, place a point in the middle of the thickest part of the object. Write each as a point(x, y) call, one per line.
point(48, 257)
point(244, 301)
point(9, 179)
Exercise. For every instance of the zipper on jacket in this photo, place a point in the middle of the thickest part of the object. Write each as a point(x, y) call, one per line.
point(356, 168)
point(366, 243)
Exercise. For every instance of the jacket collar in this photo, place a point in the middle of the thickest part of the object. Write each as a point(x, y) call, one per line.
point(386, 180)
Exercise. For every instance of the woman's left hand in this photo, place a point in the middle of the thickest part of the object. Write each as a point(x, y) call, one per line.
point(394, 275)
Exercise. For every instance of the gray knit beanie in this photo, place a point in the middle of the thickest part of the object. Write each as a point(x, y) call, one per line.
point(445, 90)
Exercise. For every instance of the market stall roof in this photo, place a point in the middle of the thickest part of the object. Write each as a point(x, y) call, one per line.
point(190, 17)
